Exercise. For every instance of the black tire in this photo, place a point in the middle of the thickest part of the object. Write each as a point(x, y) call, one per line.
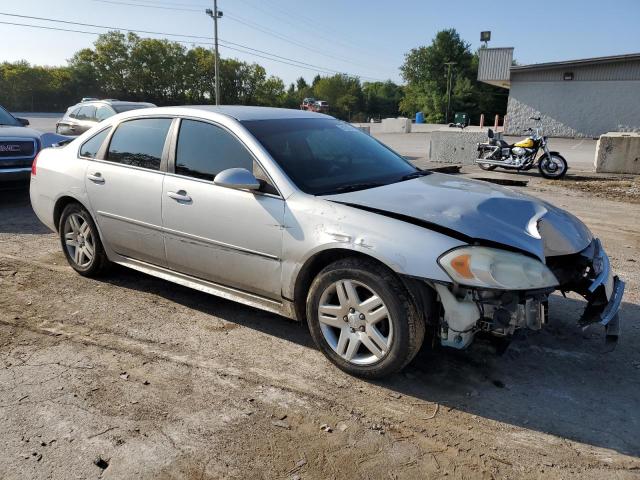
point(99, 263)
point(545, 170)
point(487, 154)
point(408, 324)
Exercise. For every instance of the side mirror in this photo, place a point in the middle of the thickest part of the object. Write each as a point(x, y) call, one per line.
point(238, 178)
point(23, 121)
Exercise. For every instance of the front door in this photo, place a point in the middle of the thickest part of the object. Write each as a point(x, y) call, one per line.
point(125, 189)
point(231, 237)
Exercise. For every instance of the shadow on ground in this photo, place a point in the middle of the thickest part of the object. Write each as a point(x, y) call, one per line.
point(561, 381)
point(15, 217)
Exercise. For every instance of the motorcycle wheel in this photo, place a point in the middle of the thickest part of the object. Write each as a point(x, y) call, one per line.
point(553, 167)
point(485, 166)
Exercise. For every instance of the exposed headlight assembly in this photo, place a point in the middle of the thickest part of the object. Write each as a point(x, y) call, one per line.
point(494, 268)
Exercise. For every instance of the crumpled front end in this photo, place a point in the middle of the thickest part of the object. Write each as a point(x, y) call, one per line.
point(467, 311)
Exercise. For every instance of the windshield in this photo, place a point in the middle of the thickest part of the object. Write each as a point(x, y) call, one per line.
point(324, 156)
point(126, 108)
point(7, 119)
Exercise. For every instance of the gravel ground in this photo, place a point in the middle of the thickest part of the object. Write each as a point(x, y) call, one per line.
point(133, 377)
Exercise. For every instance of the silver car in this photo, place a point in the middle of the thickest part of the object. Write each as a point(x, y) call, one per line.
point(303, 215)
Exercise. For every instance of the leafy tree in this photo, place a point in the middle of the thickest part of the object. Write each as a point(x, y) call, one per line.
point(425, 72)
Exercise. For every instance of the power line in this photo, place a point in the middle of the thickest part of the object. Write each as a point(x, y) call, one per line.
point(268, 31)
point(247, 50)
point(284, 17)
point(116, 2)
point(102, 26)
point(236, 19)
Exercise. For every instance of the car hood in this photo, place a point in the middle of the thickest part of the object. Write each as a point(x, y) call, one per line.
point(18, 132)
point(46, 139)
point(476, 211)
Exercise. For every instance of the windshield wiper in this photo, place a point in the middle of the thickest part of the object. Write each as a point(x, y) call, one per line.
point(419, 173)
point(353, 187)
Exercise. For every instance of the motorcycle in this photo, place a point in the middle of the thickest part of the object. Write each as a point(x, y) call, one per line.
point(522, 155)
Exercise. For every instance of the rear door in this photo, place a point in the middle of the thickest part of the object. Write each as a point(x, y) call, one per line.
point(125, 186)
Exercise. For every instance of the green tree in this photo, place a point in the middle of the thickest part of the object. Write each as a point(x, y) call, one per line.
point(425, 72)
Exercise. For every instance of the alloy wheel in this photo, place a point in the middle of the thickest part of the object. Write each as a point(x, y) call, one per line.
point(355, 322)
point(79, 241)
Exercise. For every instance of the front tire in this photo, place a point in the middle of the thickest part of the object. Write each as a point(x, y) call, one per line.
point(362, 318)
point(81, 243)
point(553, 166)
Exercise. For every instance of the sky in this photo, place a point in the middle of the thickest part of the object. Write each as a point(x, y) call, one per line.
point(359, 37)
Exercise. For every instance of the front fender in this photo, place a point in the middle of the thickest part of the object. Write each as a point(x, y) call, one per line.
point(314, 225)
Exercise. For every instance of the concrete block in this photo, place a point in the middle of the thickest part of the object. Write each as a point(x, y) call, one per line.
point(396, 125)
point(455, 146)
point(618, 152)
point(364, 128)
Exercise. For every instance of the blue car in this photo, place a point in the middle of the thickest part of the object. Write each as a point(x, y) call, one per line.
point(19, 145)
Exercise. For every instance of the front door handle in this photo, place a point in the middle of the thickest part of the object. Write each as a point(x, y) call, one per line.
point(96, 177)
point(180, 196)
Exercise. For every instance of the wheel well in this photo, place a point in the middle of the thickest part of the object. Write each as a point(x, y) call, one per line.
point(420, 292)
point(60, 206)
point(315, 264)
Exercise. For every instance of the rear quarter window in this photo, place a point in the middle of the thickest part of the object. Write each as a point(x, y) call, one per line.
point(91, 147)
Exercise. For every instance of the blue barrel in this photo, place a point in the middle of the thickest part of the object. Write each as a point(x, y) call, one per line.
point(419, 117)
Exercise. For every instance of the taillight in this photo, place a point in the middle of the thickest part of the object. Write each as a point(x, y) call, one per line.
point(33, 165)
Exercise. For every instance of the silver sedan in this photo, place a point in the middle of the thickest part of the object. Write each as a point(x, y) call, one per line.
point(303, 215)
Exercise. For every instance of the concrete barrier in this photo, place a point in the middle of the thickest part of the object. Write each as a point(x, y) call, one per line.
point(618, 152)
point(364, 128)
point(455, 146)
point(396, 125)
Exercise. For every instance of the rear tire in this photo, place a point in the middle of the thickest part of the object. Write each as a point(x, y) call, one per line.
point(485, 166)
point(383, 330)
point(81, 242)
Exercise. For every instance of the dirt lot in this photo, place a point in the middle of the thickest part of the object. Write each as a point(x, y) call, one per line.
point(134, 377)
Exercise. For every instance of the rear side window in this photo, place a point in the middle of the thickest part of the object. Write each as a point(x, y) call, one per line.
point(87, 113)
point(139, 142)
point(90, 148)
point(205, 150)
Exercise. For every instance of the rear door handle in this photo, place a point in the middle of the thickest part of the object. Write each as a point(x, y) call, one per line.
point(96, 177)
point(180, 196)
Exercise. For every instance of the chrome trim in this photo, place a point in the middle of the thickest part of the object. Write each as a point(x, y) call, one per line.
point(188, 236)
point(613, 306)
point(206, 286)
point(123, 165)
point(15, 170)
point(210, 182)
point(602, 277)
point(21, 139)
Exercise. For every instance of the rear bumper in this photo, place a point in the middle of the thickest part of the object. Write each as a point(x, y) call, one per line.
point(19, 174)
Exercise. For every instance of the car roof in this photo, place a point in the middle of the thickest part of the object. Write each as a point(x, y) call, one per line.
point(243, 113)
point(110, 101)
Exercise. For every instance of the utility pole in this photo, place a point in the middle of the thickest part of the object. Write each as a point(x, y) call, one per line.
point(216, 14)
point(449, 78)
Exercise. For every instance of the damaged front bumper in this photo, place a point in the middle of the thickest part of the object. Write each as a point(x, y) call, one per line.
point(467, 311)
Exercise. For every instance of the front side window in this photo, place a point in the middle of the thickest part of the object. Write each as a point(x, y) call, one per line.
point(324, 156)
point(74, 113)
point(139, 142)
point(205, 150)
point(104, 112)
point(91, 147)
point(87, 113)
point(7, 119)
